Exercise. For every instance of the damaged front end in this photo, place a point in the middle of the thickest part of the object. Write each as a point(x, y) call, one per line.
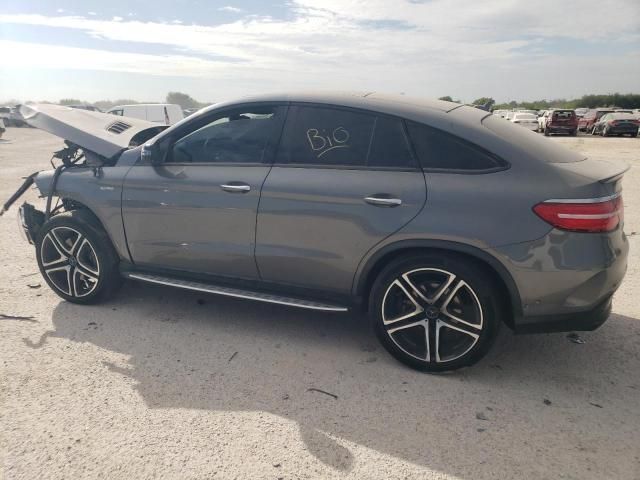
point(93, 140)
point(32, 219)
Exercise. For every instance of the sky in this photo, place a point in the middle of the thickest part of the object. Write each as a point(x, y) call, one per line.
point(217, 50)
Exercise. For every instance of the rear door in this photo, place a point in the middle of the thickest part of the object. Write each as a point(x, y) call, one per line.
point(196, 211)
point(343, 181)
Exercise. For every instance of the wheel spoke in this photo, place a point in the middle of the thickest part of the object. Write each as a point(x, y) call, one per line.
point(55, 232)
point(81, 263)
point(445, 305)
point(86, 272)
point(440, 324)
point(67, 269)
point(57, 247)
point(417, 310)
point(424, 324)
point(90, 283)
point(436, 296)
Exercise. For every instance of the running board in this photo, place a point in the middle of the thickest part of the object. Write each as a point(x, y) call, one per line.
point(234, 292)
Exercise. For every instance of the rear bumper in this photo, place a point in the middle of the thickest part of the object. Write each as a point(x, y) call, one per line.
point(562, 128)
point(623, 130)
point(566, 280)
point(583, 321)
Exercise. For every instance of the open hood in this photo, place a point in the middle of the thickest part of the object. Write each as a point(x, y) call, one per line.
point(102, 133)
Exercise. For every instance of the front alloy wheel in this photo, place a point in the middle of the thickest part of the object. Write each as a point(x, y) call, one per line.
point(436, 315)
point(76, 258)
point(70, 262)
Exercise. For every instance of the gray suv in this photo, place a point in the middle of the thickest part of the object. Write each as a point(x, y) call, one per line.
point(440, 220)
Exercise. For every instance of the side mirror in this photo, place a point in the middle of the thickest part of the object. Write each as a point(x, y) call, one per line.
point(150, 154)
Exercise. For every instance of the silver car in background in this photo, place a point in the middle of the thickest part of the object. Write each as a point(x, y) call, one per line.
point(442, 221)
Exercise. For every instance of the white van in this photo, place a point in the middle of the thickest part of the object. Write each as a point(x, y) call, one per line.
point(164, 113)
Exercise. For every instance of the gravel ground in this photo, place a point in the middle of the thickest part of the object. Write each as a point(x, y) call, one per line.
point(170, 384)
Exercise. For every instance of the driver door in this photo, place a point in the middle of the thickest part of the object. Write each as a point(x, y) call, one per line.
point(196, 211)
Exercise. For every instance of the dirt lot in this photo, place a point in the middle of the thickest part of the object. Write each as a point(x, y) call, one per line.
point(169, 384)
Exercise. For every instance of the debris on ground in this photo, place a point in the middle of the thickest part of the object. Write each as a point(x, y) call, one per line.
point(232, 356)
point(34, 285)
point(575, 338)
point(481, 416)
point(322, 391)
point(17, 317)
point(596, 405)
point(546, 401)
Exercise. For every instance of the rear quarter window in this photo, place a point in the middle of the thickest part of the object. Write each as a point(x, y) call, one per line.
point(441, 151)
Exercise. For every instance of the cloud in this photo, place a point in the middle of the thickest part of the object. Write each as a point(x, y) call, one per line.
point(457, 47)
point(231, 9)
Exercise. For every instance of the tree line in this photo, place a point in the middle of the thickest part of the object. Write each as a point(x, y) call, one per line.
point(179, 98)
point(622, 100)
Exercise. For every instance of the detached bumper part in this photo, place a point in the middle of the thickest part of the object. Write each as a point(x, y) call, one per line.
point(30, 221)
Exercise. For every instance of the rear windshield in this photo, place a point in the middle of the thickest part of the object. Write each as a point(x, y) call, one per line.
point(561, 114)
point(623, 116)
point(532, 142)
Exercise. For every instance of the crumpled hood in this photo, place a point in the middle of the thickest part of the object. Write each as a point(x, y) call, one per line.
point(102, 133)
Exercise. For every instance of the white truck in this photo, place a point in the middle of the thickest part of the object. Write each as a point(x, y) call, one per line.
point(163, 113)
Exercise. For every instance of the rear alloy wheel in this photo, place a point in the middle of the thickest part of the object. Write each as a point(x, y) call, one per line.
point(76, 258)
point(436, 315)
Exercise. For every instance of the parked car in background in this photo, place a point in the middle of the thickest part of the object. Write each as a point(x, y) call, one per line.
point(589, 119)
point(5, 115)
point(164, 113)
point(319, 201)
point(617, 123)
point(91, 108)
point(532, 112)
point(2, 127)
point(581, 111)
point(527, 120)
point(542, 119)
point(560, 121)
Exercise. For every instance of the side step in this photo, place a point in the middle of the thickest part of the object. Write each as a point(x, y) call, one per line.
point(234, 292)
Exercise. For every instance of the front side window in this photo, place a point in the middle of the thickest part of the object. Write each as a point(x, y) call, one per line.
point(438, 150)
point(325, 136)
point(238, 136)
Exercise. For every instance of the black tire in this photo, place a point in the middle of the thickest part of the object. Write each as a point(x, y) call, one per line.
point(76, 258)
point(574, 133)
point(436, 282)
point(604, 132)
point(546, 132)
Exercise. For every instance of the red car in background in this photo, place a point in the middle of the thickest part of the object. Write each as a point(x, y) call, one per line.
point(586, 123)
point(561, 121)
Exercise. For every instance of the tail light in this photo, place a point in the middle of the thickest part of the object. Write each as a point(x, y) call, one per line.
point(586, 215)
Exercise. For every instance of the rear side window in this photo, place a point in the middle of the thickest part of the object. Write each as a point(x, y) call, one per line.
point(325, 136)
point(439, 150)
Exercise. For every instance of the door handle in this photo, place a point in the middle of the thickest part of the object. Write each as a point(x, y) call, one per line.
point(233, 187)
point(383, 201)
